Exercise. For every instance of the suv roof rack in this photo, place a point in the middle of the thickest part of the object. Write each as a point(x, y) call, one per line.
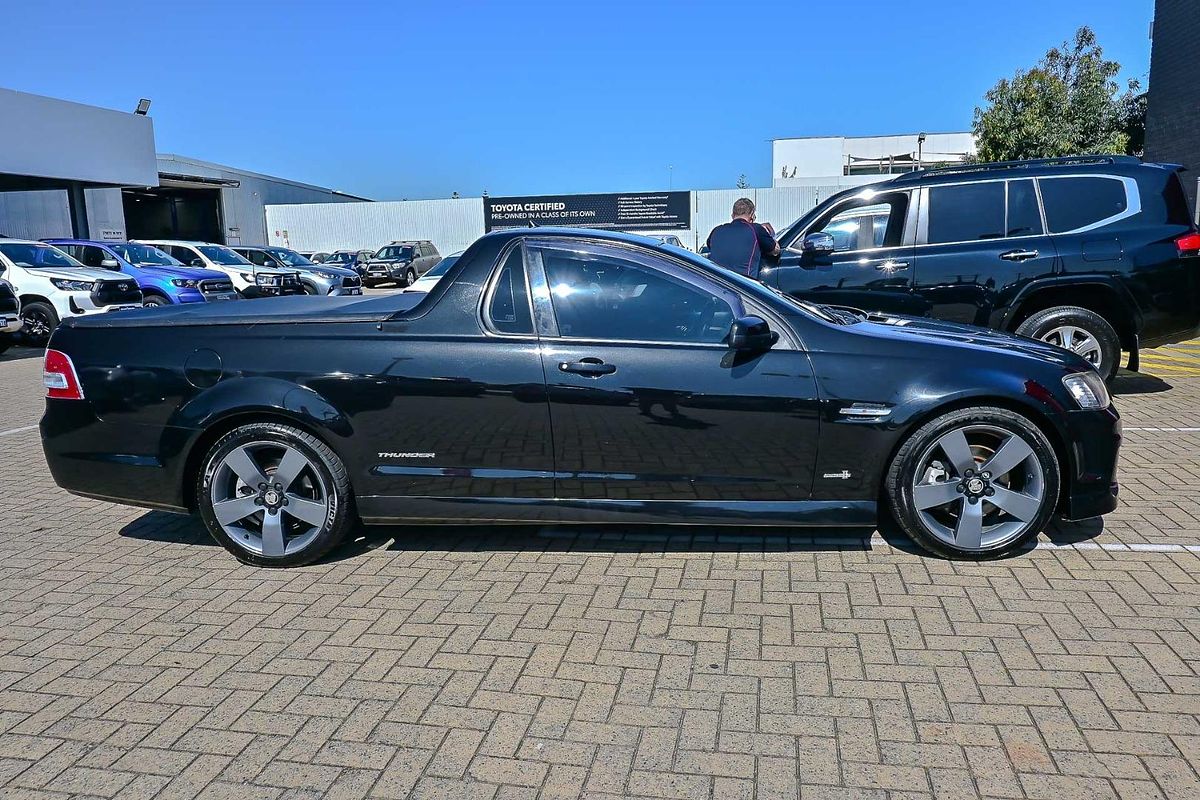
point(921, 174)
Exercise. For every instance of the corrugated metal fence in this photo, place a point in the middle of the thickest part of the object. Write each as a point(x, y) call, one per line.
point(453, 224)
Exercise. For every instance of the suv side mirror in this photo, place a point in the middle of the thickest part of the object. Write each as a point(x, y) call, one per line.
point(817, 244)
point(110, 263)
point(196, 262)
point(751, 334)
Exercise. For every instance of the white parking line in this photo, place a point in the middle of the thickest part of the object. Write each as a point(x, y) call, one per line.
point(18, 430)
point(1163, 429)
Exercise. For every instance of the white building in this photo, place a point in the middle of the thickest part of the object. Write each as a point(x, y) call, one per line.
point(855, 160)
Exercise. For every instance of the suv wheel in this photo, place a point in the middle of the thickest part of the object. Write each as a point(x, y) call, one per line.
point(152, 300)
point(40, 319)
point(274, 496)
point(1079, 330)
point(974, 483)
point(410, 277)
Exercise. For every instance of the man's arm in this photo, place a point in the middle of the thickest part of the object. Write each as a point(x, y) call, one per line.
point(766, 240)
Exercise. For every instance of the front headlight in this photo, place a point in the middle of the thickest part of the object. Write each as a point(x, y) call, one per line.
point(1088, 389)
point(184, 283)
point(326, 275)
point(71, 286)
point(267, 280)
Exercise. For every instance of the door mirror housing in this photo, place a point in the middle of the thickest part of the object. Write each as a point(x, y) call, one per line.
point(817, 244)
point(110, 263)
point(751, 334)
point(196, 262)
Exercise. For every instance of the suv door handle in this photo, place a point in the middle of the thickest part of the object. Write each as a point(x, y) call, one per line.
point(1019, 255)
point(892, 265)
point(591, 367)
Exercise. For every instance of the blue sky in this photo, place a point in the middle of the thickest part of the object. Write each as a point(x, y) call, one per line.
point(406, 100)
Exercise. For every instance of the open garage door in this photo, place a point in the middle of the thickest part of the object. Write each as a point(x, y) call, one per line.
point(173, 213)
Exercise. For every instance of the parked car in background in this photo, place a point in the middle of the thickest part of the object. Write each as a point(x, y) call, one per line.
point(401, 263)
point(161, 277)
point(631, 383)
point(668, 238)
point(1096, 254)
point(349, 259)
point(318, 279)
point(52, 287)
point(430, 279)
point(249, 280)
point(314, 256)
point(10, 314)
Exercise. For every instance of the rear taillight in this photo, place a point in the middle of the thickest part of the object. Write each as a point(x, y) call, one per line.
point(1189, 245)
point(58, 375)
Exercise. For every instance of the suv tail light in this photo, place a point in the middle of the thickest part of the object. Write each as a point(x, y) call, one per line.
point(58, 375)
point(1188, 244)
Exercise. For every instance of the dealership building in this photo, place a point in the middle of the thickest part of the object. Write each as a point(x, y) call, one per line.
point(69, 169)
point(1173, 100)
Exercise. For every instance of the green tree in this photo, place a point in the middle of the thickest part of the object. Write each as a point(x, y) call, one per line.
point(1069, 103)
point(743, 183)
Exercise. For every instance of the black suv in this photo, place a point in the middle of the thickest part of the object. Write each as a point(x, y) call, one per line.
point(10, 314)
point(1093, 253)
point(401, 263)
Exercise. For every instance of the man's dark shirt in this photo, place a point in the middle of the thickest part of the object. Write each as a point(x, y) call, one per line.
point(739, 246)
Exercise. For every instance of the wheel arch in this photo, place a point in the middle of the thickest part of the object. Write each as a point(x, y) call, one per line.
point(1030, 411)
point(1102, 297)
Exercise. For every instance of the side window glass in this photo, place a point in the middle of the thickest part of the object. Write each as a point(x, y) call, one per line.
point(966, 212)
point(1073, 203)
point(867, 223)
point(508, 306)
point(599, 296)
point(1023, 216)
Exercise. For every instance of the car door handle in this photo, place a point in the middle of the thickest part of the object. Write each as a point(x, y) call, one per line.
point(1019, 255)
point(591, 367)
point(892, 265)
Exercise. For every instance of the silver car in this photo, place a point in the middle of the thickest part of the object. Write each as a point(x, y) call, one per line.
point(317, 279)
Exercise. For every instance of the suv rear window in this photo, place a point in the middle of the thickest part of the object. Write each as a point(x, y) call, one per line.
point(1076, 202)
point(966, 212)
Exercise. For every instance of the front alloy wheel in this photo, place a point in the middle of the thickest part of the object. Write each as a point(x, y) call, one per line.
point(38, 321)
point(974, 483)
point(274, 495)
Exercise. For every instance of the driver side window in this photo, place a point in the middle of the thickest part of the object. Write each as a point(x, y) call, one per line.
point(602, 296)
point(866, 223)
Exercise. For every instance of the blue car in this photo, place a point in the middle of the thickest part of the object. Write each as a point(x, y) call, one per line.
point(163, 279)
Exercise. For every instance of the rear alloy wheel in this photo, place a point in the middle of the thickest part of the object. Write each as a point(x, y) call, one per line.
point(975, 483)
point(274, 495)
point(1080, 330)
point(40, 320)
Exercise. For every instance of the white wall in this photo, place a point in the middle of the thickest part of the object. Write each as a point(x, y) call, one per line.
point(821, 160)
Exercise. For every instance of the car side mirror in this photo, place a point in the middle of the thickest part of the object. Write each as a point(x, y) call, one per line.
point(751, 334)
point(817, 244)
point(196, 262)
point(110, 263)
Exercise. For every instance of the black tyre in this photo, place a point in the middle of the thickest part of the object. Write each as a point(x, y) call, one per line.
point(5, 343)
point(310, 288)
point(153, 301)
point(369, 284)
point(410, 277)
point(975, 483)
point(40, 319)
point(1079, 330)
point(274, 496)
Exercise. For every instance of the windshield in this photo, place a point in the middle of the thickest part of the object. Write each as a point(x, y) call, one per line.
point(37, 255)
point(443, 265)
point(223, 256)
point(145, 256)
point(289, 257)
point(340, 258)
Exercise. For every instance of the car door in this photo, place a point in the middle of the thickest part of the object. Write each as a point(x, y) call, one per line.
point(978, 244)
point(647, 402)
point(870, 266)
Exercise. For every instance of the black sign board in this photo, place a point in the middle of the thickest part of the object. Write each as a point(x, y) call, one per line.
point(635, 211)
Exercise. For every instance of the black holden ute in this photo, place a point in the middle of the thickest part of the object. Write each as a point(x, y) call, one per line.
point(1096, 254)
point(558, 375)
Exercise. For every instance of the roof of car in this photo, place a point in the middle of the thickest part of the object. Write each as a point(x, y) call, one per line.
point(954, 173)
point(189, 242)
point(10, 240)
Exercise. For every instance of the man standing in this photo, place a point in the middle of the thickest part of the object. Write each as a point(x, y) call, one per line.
point(740, 244)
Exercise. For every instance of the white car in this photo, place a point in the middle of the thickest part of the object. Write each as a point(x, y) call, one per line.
point(52, 286)
point(248, 279)
point(430, 279)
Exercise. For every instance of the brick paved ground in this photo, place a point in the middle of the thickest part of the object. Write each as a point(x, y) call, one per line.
point(138, 659)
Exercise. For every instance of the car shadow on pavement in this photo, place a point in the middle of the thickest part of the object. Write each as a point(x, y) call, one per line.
point(1137, 383)
point(20, 353)
point(160, 526)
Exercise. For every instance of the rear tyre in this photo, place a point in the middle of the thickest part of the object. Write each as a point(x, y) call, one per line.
point(1081, 331)
point(274, 496)
point(153, 300)
point(976, 483)
point(40, 319)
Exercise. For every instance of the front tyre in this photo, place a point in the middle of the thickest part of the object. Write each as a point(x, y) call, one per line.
point(1080, 330)
point(410, 277)
point(274, 496)
point(39, 321)
point(975, 483)
point(154, 301)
